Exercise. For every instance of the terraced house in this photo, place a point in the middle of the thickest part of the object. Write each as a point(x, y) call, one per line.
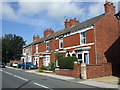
point(89, 41)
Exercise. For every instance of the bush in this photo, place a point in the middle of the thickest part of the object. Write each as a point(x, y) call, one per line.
point(43, 67)
point(40, 70)
point(59, 55)
point(51, 66)
point(66, 62)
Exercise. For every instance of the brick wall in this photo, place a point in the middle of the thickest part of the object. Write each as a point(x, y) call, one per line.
point(33, 49)
point(106, 34)
point(56, 44)
point(42, 47)
point(90, 36)
point(72, 40)
point(72, 73)
point(92, 59)
point(94, 71)
point(40, 61)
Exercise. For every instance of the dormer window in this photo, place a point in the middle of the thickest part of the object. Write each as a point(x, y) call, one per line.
point(47, 47)
point(83, 38)
point(61, 43)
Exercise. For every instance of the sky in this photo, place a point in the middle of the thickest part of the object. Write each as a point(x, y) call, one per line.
point(31, 18)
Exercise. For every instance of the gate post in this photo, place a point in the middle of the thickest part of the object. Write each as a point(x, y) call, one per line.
point(83, 71)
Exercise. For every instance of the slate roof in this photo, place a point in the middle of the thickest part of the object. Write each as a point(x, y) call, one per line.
point(79, 26)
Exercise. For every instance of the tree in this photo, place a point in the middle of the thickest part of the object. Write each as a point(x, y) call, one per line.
point(12, 47)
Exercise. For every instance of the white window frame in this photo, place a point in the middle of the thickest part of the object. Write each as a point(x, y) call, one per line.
point(47, 47)
point(83, 52)
point(46, 60)
point(36, 48)
point(82, 38)
point(61, 40)
point(36, 59)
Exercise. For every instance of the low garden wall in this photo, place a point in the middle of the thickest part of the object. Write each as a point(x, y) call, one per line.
point(92, 71)
point(72, 73)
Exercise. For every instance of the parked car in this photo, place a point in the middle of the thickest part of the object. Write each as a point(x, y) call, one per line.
point(15, 64)
point(28, 65)
point(2, 65)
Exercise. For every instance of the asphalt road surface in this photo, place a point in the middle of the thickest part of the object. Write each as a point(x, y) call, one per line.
point(19, 79)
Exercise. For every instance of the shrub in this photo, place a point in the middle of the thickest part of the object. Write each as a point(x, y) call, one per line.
point(59, 55)
point(51, 66)
point(66, 62)
point(40, 70)
point(43, 67)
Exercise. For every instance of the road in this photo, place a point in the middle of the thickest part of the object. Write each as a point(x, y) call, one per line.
point(18, 79)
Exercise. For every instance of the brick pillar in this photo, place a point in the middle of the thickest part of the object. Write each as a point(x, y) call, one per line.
point(83, 71)
point(77, 70)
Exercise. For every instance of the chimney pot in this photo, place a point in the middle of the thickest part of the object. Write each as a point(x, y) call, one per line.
point(48, 32)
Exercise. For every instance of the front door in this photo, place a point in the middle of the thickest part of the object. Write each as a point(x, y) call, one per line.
point(79, 58)
point(36, 59)
point(86, 58)
point(83, 57)
point(46, 59)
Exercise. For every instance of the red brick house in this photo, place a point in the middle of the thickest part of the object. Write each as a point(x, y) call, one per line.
point(88, 40)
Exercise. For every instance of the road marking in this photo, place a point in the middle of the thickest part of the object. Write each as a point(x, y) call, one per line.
point(41, 85)
point(1, 70)
point(8, 73)
point(20, 77)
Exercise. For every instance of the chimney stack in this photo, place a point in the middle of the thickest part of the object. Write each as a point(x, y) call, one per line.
point(71, 23)
point(36, 37)
point(48, 32)
point(109, 8)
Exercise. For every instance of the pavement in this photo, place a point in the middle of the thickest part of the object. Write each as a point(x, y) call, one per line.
point(102, 82)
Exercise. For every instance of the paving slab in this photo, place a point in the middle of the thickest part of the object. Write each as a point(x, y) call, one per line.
point(107, 79)
point(98, 84)
point(52, 75)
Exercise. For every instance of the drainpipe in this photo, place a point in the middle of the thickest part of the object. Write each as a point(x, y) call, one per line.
point(95, 45)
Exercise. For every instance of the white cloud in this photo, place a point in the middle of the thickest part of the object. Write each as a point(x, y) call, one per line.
point(8, 12)
point(31, 8)
point(27, 11)
point(60, 10)
point(30, 12)
point(96, 9)
point(55, 10)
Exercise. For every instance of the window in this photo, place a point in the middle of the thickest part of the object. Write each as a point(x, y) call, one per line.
point(61, 43)
point(83, 57)
point(47, 46)
point(83, 38)
point(46, 60)
point(37, 48)
point(80, 58)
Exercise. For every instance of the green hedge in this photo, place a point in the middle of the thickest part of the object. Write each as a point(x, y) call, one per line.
point(66, 62)
point(59, 55)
